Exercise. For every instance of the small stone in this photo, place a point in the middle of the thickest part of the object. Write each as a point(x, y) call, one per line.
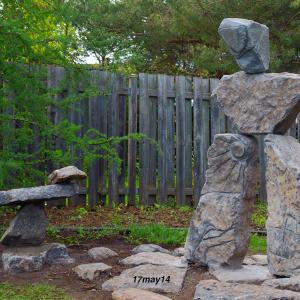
point(258, 259)
point(282, 180)
point(155, 258)
point(260, 103)
point(216, 290)
point(248, 41)
point(149, 248)
point(99, 253)
point(90, 271)
point(156, 278)
point(178, 251)
point(137, 294)
point(27, 228)
point(66, 174)
point(246, 274)
point(28, 259)
point(292, 284)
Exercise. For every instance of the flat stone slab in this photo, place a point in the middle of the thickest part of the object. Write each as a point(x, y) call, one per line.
point(248, 41)
point(38, 194)
point(66, 174)
point(259, 103)
point(246, 274)
point(149, 248)
point(99, 253)
point(216, 290)
point(28, 259)
point(28, 227)
point(154, 258)
point(258, 259)
point(150, 277)
point(137, 294)
point(90, 271)
point(178, 251)
point(292, 284)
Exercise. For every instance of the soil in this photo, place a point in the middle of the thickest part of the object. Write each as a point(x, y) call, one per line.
point(63, 277)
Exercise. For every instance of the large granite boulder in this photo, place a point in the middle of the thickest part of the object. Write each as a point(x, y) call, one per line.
point(66, 174)
point(28, 227)
point(216, 290)
point(219, 230)
point(248, 41)
point(261, 103)
point(283, 190)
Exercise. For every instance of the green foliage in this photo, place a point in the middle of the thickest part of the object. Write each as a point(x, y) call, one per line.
point(32, 292)
point(258, 243)
point(259, 216)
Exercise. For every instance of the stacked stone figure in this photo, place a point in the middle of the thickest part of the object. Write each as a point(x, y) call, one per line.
point(257, 103)
point(26, 233)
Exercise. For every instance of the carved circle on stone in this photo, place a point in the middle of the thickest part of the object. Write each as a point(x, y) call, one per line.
point(238, 149)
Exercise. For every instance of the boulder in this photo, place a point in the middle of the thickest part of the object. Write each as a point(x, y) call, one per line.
point(137, 294)
point(257, 259)
point(261, 103)
point(178, 251)
point(248, 41)
point(283, 190)
point(246, 274)
point(220, 227)
point(149, 248)
point(216, 290)
point(99, 253)
point(28, 227)
point(155, 258)
point(28, 259)
point(66, 174)
point(90, 271)
point(292, 284)
point(156, 278)
point(38, 194)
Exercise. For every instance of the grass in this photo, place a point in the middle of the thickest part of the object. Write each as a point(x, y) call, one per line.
point(258, 243)
point(259, 216)
point(31, 292)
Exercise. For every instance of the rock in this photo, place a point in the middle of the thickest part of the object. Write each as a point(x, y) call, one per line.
point(220, 227)
point(248, 41)
point(90, 271)
point(156, 278)
point(283, 190)
point(28, 259)
point(28, 227)
point(216, 290)
point(137, 294)
point(258, 259)
point(292, 284)
point(99, 253)
point(66, 174)
point(155, 258)
point(246, 274)
point(261, 103)
point(38, 194)
point(150, 248)
point(178, 251)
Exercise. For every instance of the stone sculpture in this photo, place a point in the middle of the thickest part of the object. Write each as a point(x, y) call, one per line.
point(256, 103)
point(26, 233)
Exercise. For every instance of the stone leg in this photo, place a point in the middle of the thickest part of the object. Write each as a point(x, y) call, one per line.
point(283, 190)
point(28, 228)
point(219, 230)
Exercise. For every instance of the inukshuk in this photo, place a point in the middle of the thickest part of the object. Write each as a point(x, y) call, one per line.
point(26, 233)
point(257, 103)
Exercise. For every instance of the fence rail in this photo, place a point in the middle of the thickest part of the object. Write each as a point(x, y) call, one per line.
point(175, 111)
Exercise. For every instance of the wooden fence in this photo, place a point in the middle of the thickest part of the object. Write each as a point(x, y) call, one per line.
point(177, 112)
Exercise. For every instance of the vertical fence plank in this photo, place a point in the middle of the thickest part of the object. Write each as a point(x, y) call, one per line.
point(113, 189)
point(188, 140)
point(162, 138)
point(215, 113)
point(262, 169)
point(132, 128)
point(205, 130)
point(170, 133)
point(144, 145)
point(180, 139)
